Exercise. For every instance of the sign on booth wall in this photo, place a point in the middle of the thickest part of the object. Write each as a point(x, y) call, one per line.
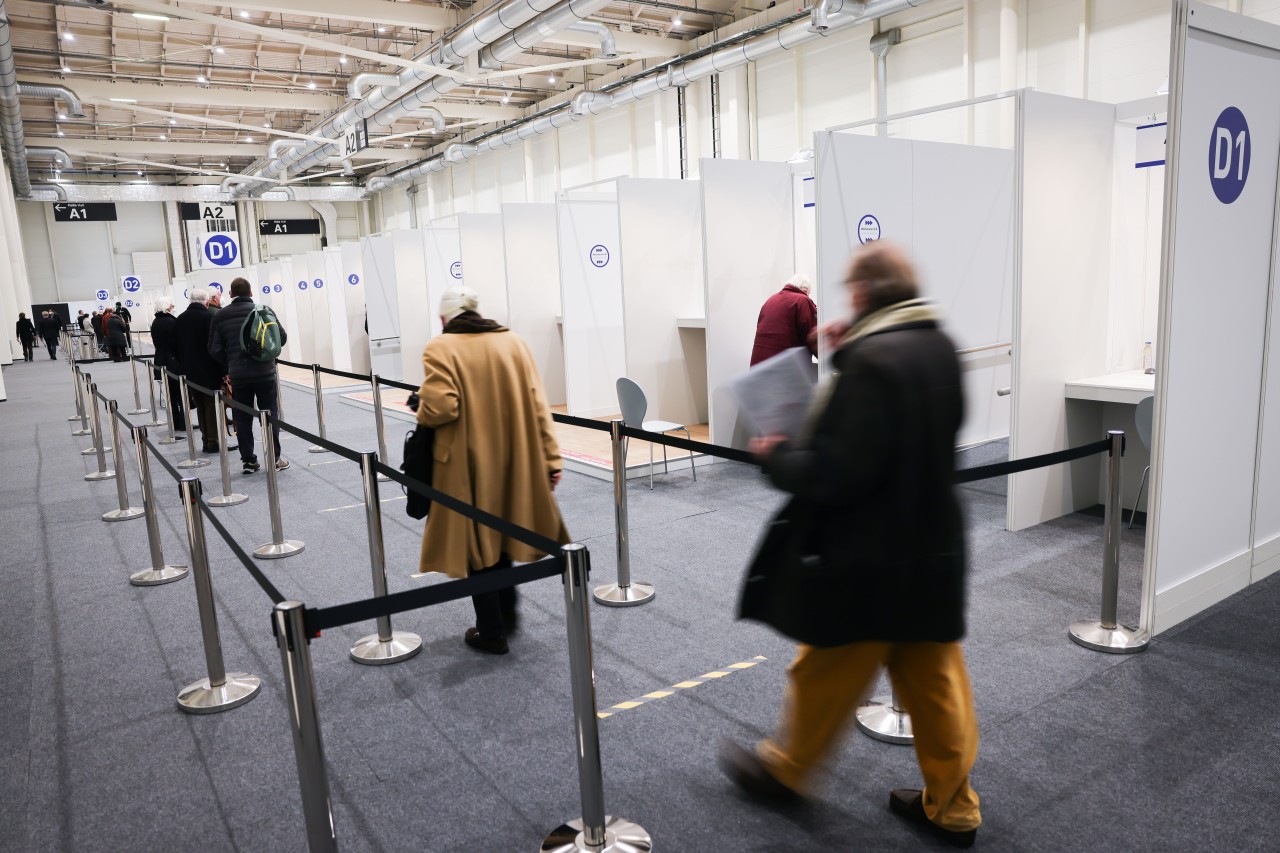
point(1150, 142)
point(213, 241)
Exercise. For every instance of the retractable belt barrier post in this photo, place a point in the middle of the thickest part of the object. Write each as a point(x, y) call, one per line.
point(386, 646)
point(222, 690)
point(172, 438)
point(125, 512)
point(151, 394)
point(192, 461)
point(75, 387)
point(158, 572)
point(138, 408)
point(228, 497)
point(1107, 635)
point(103, 472)
point(278, 547)
point(95, 420)
point(315, 379)
point(288, 619)
point(594, 832)
point(624, 593)
point(80, 383)
point(376, 385)
point(883, 719)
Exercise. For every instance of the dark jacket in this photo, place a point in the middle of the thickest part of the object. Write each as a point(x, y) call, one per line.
point(49, 327)
point(786, 321)
point(874, 515)
point(123, 313)
point(162, 338)
point(26, 331)
point(117, 332)
point(191, 350)
point(83, 322)
point(224, 344)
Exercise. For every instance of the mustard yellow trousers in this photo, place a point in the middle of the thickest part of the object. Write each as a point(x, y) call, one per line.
point(932, 683)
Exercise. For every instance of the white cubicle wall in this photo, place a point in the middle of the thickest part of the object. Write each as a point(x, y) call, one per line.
point(289, 318)
point(485, 265)
point(749, 252)
point(351, 273)
point(304, 310)
point(322, 325)
point(444, 269)
point(378, 260)
point(664, 295)
point(418, 320)
point(591, 296)
point(951, 207)
point(1215, 511)
point(532, 255)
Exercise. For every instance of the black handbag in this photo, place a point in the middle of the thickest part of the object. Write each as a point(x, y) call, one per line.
point(419, 463)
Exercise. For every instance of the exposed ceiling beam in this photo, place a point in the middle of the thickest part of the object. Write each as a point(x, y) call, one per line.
point(211, 96)
point(371, 11)
point(127, 147)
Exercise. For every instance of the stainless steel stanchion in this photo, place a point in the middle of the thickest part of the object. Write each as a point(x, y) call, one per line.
point(315, 379)
point(71, 362)
point(278, 547)
point(192, 461)
point(81, 382)
point(882, 718)
point(1107, 634)
point(138, 408)
point(386, 646)
point(103, 472)
point(228, 497)
point(288, 620)
point(151, 395)
point(222, 690)
point(595, 831)
point(159, 572)
point(172, 437)
point(125, 512)
point(624, 593)
point(379, 423)
point(95, 420)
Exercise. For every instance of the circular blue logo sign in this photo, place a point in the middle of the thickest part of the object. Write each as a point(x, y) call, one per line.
point(318, 283)
point(186, 294)
point(213, 285)
point(455, 269)
point(132, 284)
point(266, 288)
point(101, 295)
point(599, 256)
point(353, 279)
point(868, 229)
point(1230, 150)
point(221, 250)
point(277, 288)
point(128, 303)
point(302, 285)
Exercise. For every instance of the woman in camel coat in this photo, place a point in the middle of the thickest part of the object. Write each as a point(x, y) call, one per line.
point(495, 448)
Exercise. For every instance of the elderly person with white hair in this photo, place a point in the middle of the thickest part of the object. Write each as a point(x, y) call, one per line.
point(162, 340)
point(787, 320)
point(495, 448)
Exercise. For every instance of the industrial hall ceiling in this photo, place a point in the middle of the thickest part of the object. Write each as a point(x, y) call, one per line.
point(184, 92)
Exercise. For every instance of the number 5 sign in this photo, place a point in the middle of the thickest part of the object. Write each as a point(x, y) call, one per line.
point(1229, 153)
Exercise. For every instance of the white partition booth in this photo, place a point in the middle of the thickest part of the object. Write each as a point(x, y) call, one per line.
point(442, 254)
point(378, 262)
point(532, 260)
point(350, 261)
point(304, 311)
point(322, 321)
point(480, 255)
point(281, 271)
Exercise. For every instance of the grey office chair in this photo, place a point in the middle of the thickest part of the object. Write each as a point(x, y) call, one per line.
point(634, 405)
point(1142, 420)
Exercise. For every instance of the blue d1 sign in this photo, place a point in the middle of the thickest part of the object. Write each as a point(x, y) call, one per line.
point(353, 279)
point(132, 284)
point(599, 256)
point(868, 229)
point(318, 283)
point(101, 295)
point(1229, 153)
point(221, 250)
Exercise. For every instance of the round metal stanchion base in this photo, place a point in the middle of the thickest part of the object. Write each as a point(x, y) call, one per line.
point(1116, 641)
point(90, 451)
point(227, 500)
point(100, 475)
point(123, 514)
point(202, 698)
point(620, 836)
point(81, 432)
point(317, 449)
point(193, 463)
point(174, 440)
point(155, 577)
point(74, 418)
point(878, 720)
point(272, 551)
point(612, 595)
point(155, 423)
point(374, 652)
point(140, 412)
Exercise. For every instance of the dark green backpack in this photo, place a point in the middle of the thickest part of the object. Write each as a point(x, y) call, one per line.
point(260, 334)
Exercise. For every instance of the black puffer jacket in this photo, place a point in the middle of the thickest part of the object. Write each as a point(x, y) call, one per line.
point(224, 344)
point(162, 338)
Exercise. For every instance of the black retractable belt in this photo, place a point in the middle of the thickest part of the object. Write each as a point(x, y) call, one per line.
point(1002, 469)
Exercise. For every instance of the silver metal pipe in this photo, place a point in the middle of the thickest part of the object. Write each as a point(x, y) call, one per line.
point(124, 512)
point(624, 593)
point(319, 391)
point(221, 690)
point(228, 497)
point(379, 422)
point(971, 350)
point(279, 146)
point(192, 461)
point(358, 83)
point(278, 547)
point(137, 391)
point(158, 572)
point(103, 473)
point(11, 130)
point(59, 156)
point(565, 16)
point(55, 93)
point(151, 396)
point(289, 620)
point(577, 573)
point(279, 397)
point(1111, 522)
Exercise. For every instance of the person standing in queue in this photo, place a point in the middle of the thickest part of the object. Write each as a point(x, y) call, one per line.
point(99, 336)
point(50, 325)
point(253, 382)
point(787, 320)
point(27, 337)
point(162, 339)
point(117, 335)
point(190, 345)
point(872, 545)
point(124, 314)
point(495, 448)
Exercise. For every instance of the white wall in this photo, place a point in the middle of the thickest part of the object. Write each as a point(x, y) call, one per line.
point(322, 325)
point(591, 296)
point(483, 263)
point(351, 274)
point(444, 269)
point(379, 265)
point(418, 321)
point(532, 253)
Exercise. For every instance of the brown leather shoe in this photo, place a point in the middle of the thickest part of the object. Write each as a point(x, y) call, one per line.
point(494, 647)
point(749, 773)
point(908, 804)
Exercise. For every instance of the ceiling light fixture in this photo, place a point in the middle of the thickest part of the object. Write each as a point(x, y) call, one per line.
point(244, 13)
point(382, 29)
point(66, 69)
point(219, 50)
point(62, 116)
point(60, 133)
point(506, 99)
point(123, 100)
point(311, 84)
point(201, 79)
point(676, 22)
point(164, 138)
point(267, 124)
point(342, 60)
point(248, 139)
point(139, 172)
point(552, 79)
point(148, 16)
point(68, 37)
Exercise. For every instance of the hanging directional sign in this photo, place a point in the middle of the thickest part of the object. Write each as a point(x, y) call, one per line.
point(269, 227)
point(88, 212)
point(355, 139)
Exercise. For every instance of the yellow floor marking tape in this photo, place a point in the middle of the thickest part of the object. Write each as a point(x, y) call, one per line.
point(683, 685)
point(353, 506)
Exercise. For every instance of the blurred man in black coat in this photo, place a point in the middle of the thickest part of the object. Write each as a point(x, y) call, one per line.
point(190, 345)
point(50, 326)
point(27, 336)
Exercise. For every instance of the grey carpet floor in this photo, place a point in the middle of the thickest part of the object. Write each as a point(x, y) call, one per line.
point(1174, 749)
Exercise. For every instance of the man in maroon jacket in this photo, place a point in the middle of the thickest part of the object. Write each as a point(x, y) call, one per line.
point(787, 320)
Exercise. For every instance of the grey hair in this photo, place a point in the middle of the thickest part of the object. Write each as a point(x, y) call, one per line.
point(163, 303)
point(199, 294)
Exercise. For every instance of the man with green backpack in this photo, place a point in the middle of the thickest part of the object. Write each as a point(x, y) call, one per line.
point(246, 340)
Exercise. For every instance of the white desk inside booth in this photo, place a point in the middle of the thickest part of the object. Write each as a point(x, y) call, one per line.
point(1108, 402)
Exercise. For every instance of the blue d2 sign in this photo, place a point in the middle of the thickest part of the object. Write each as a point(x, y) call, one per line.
point(221, 250)
point(353, 279)
point(132, 284)
point(1230, 150)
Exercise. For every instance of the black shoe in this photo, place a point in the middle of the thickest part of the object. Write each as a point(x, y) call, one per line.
point(251, 467)
point(494, 647)
point(908, 804)
point(207, 451)
point(749, 773)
